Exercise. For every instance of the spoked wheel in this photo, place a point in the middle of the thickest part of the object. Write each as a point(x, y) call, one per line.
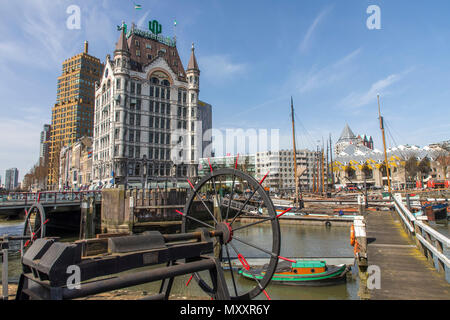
point(34, 227)
point(218, 202)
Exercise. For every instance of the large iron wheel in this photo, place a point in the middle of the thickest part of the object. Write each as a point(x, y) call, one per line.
point(209, 206)
point(34, 226)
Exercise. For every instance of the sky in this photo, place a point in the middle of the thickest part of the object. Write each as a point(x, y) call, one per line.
point(253, 56)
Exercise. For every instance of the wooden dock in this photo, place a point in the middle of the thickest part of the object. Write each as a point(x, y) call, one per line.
point(405, 272)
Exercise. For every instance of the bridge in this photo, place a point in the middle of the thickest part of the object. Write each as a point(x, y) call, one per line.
point(410, 255)
point(14, 203)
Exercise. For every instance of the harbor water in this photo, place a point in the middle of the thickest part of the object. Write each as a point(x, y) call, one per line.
point(296, 241)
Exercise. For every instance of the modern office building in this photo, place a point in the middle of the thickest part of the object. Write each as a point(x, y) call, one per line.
point(245, 163)
point(147, 113)
point(73, 112)
point(11, 179)
point(279, 166)
point(44, 146)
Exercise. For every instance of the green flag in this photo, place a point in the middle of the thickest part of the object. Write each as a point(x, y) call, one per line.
point(137, 6)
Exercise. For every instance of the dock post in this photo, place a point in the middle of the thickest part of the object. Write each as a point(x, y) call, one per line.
point(5, 246)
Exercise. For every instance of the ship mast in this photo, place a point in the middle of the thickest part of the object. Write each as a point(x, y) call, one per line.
point(384, 144)
point(295, 154)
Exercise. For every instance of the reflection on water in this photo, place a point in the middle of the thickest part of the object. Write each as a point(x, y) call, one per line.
point(297, 241)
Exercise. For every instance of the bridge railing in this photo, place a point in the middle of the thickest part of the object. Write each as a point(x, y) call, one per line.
point(428, 240)
point(50, 196)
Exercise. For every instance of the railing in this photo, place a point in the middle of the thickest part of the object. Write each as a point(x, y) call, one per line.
point(27, 198)
point(429, 241)
point(4, 245)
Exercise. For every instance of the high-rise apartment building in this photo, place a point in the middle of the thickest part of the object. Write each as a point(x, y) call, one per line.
point(11, 179)
point(147, 113)
point(44, 147)
point(73, 112)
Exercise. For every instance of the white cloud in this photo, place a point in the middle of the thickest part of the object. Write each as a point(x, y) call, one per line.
point(356, 100)
point(220, 67)
point(327, 75)
point(304, 45)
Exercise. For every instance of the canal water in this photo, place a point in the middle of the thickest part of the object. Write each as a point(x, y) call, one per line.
point(297, 241)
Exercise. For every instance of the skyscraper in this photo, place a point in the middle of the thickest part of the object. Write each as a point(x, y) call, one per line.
point(73, 113)
point(44, 145)
point(11, 179)
point(147, 117)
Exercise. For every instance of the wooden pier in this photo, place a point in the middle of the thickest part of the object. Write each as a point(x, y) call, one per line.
point(406, 274)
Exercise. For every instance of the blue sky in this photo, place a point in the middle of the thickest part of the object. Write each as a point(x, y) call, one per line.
point(253, 56)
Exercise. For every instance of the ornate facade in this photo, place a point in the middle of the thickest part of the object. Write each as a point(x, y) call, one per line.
point(147, 124)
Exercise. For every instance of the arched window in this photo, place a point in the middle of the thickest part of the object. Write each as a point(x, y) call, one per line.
point(155, 80)
point(165, 83)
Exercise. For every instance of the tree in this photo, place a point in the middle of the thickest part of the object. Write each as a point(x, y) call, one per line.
point(443, 160)
point(424, 166)
point(411, 167)
point(366, 171)
point(350, 172)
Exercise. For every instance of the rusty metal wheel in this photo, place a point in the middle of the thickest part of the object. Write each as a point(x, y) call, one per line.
point(218, 202)
point(34, 226)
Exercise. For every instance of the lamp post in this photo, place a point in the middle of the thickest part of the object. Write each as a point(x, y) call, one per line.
point(144, 171)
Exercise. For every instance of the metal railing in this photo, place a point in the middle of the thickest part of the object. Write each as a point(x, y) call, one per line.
point(428, 240)
point(54, 197)
point(4, 245)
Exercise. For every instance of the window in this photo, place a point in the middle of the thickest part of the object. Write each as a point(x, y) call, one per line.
point(184, 97)
point(149, 56)
point(148, 46)
point(136, 42)
point(132, 87)
point(157, 107)
point(117, 84)
point(192, 126)
point(151, 91)
point(192, 98)
point(138, 53)
point(151, 106)
point(150, 124)
point(131, 136)
point(179, 96)
point(150, 137)
point(157, 92)
point(138, 104)
point(156, 122)
point(138, 88)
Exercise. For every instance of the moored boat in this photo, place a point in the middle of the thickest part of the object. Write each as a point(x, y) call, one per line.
point(301, 273)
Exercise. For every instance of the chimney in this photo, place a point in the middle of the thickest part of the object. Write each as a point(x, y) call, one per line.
point(86, 45)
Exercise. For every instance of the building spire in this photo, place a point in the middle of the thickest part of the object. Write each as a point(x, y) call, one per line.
point(122, 44)
point(192, 65)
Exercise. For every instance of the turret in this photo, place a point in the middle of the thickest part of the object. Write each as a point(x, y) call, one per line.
point(193, 77)
point(122, 53)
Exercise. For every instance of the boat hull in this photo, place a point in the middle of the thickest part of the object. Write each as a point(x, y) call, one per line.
point(333, 275)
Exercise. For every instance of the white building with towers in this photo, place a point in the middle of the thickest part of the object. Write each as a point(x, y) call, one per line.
point(147, 125)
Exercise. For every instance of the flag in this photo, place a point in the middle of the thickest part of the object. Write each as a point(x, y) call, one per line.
point(137, 6)
point(175, 23)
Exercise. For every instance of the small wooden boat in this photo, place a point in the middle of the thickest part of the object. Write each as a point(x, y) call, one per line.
point(435, 212)
point(301, 273)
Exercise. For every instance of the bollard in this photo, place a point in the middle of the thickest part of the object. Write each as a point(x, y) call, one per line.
point(4, 247)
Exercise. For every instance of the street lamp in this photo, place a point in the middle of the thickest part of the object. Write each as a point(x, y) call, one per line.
point(144, 171)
